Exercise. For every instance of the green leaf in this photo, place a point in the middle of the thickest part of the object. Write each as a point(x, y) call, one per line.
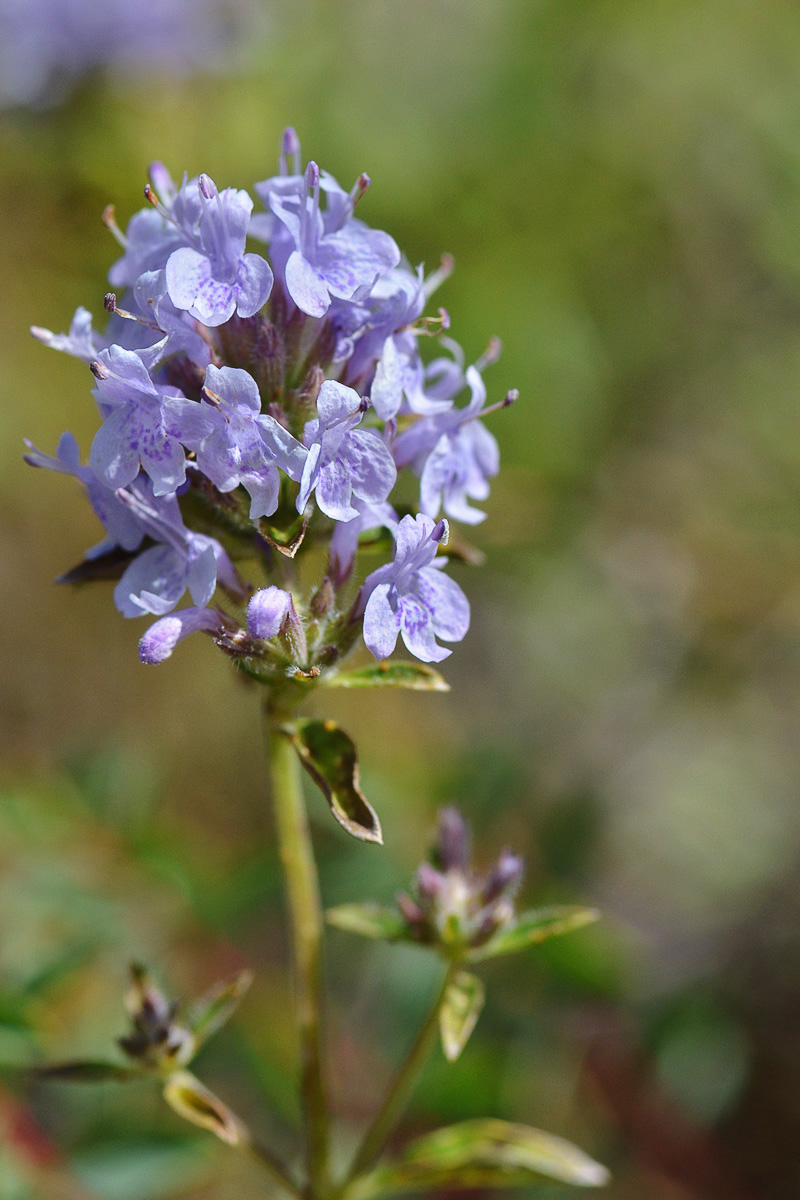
point(459, 1013)
point(482, 1154)
point(211, 1011)
point(329, 756)
point(535, 926)
point(193, 1101)
point(84, 1072)
point(416, 676)
point(368, 920)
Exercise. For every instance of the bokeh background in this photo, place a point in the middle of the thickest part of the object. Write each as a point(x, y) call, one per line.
point(619, 183)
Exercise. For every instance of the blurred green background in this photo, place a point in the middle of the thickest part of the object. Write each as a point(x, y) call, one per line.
point(619, 183)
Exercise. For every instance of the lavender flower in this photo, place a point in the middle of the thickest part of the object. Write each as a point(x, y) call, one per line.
point(388, 341)
point(162, 637)
point(144, 424)
point(216, 278)
point(122, 527)
point(81, 341)
point(343, 461)
point(157, 578)
point(454, 454)
point(236, 444)
point(412, 597)
point(331, 253)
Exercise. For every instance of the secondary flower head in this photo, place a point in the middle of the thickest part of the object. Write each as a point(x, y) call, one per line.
point(452, 905)
point(412, 597)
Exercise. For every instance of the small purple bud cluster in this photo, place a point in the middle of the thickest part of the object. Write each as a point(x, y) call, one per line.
point(452, 907)
point(251, 402)
point(156, 1040)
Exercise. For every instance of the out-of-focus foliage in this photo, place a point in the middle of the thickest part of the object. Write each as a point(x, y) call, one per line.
point(619, 185)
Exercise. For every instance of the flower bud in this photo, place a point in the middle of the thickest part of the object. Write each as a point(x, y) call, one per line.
point(267, 611)
point(429, 882)
point(322, 599)
point(505, 876)
point(451, 851)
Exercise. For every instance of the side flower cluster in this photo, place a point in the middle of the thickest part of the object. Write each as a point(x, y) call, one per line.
point(253, 401)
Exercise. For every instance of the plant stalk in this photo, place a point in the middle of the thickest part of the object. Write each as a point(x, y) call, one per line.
point(305, 914)
point(400, 1089)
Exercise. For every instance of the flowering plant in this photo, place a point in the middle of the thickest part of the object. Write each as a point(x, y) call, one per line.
point(258, 410)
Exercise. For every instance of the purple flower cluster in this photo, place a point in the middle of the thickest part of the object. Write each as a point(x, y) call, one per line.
point(255, 401)
point(454, 907)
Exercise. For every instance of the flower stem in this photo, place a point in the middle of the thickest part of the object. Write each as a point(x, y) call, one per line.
point(400, 1088)
point(302, 887)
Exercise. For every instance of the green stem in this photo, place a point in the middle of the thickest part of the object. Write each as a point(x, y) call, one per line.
point(300, 872)
point(400, 1088)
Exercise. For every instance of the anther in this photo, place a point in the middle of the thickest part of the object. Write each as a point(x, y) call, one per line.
point(208, 189)
point(441, 532)
point(110, 305)
point(98, 370)
point(212, 397)
point(151, 198)
point(506, 402)
point(290, 148)
point(359, 187)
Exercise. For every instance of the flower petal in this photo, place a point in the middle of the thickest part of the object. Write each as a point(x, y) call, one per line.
point(381, 622)
point(305, 286)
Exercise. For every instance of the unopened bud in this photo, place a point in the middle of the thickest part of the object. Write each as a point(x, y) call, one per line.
point(291, 142)
point(267, 611)
point(411, 911)
point(430, 883)
point(322, 599)
point(208, 188)
point(452, 839)
point(505, 876)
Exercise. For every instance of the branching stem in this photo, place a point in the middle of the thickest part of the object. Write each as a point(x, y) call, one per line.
point(400, 1089)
